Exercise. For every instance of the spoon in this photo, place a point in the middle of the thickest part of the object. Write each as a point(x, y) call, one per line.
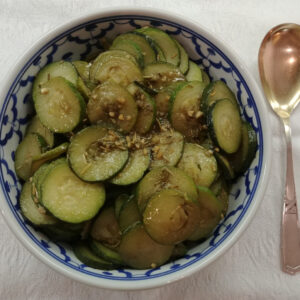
point(279, 67)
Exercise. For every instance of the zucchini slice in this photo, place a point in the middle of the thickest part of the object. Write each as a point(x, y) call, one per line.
point(31, 211)
point(36, 126)
point(225, 125)
point(106, 253)
point(161, 74)
point(214, 91)
point(140, 40)
point(225, 166)
point(59, 106)
point(146, 108)
point(105, 228)
point(58, 233)
point(205, 78)
point(31, 146)
point(130, 47)
point(165, 42)
point(97, 153)
point(68, 198)
point(184, 58)
point(194, 73)
point(164, 178)
point(199, 163)
point(112, 103)
point(137, 164)
point(210, 213)
point(39, 160)
point(116, 65)
point(170, 217)
point(139, 251)
point(119, 201)
point(242, 159)
point(83, 69)
point(221, 190)
point(167, 148)
point(185, 114)
point(85, 254)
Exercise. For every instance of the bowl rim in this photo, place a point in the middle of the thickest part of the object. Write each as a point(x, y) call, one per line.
point(260, 190)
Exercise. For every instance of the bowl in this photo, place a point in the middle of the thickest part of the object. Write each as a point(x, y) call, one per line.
point(81, 38)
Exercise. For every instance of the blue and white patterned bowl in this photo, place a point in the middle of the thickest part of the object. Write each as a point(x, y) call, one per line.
point(77, 40)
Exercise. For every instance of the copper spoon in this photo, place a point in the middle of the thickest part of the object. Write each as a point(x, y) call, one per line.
point(279, 67)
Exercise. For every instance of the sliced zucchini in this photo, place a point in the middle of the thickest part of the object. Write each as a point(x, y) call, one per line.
point(116, 65)
point(242, 159)
point(137, 164)
point(31, 146)
point(225, 166)
point(164, 178)
point(185, 114)
point(85, 255)
point(63, 194)
point(214, 91)
point(59, 106)
point(56, 69)
point(199, 163)
point(221, 190)
point(106, 253)
point(119, 202)
point(54, 153)
point(184, 58)
point(167, 148)
point(36, 126)
point(83, 69)
point(112, 103)
point(129, 214)
point(194, 73)
point(59, 234)
point(131, 47)
point(210, 213)
point(179, 251)
point(105, 228)
point(165, 43)
point(83, 89)
point(140, 40)
point(139, 251)
point(170, 217)
point(97, 153)
point(205, 78)
point(146, 108)
point(31, 211)
point(161, 74)
point(225, 125)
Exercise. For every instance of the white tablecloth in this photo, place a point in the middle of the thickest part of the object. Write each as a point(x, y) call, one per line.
point(251, 268)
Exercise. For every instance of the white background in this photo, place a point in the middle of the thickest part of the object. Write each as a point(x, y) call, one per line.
point(251, 268)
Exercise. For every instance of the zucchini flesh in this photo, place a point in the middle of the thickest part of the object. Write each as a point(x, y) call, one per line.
point(139, 251)
point(167, 148)
point(112, 103)
point(164, 178)
point(199, 163)
point(224, 124)
point(69, 198)
point(194, 73)
point(120, 200)
point(59, 106)
point(170, 217)
point(83, 69)
point(185, 114)
point(221, 190)
point(97, 153)
point(31, 211)
point(184, 58)
point(129, 214)
point(137, 164)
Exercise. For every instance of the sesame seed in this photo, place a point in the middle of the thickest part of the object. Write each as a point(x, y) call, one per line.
point(42, 210)
point(217, 149)
point(190, 113)
point(199, 114)
point(128, 118)
point(121, 117)
point(121, 100)
point(44, 91)
point(111, 114)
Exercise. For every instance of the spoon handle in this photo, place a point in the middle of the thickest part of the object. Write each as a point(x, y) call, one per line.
point(290, 231)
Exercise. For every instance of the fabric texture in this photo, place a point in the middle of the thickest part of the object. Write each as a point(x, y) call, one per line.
point(251, 268)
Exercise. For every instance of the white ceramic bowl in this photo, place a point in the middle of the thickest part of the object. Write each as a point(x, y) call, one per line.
point(76, 40)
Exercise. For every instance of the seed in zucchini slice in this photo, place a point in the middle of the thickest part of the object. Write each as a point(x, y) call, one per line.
point(59, 106)
point(164, 178)
point(105, 228)
point(225, 125)
point(97, 153)
point(139, 251)
point(161, 74)
point(199, 163)
point(170, 217)
point(210, 213)
point(185, 114)
point(31, 211)
point(68, 198)
point(116, 65)
point(112, 103)
point(167, 148)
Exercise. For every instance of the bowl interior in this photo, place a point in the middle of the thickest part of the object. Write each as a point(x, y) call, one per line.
point(81, 42)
